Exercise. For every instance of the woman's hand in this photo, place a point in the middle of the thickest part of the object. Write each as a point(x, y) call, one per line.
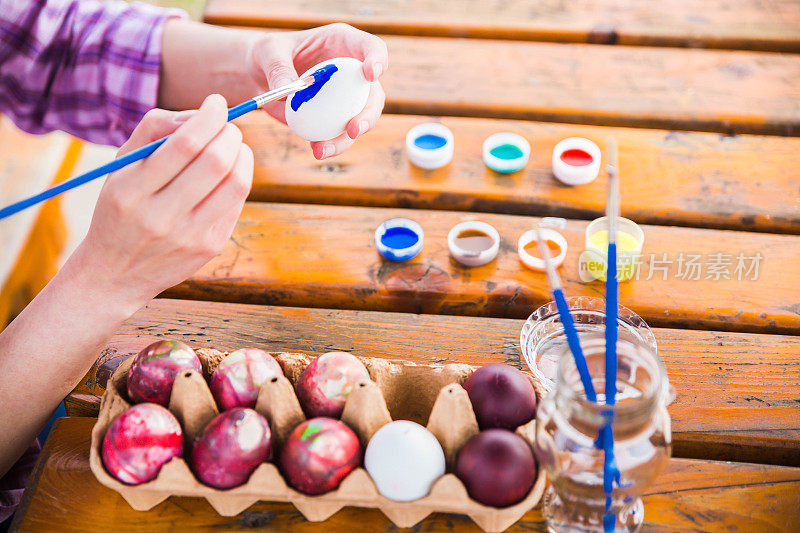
point(159, 220)
point(280, 56)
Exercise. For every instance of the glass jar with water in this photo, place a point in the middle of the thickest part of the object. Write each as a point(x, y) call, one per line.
point(542, 339)
point(567, 437)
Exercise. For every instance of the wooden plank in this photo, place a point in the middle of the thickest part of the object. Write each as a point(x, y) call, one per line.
point(673, 178)
point(732, 24)
point(729, 92)
point(736, 392)
point(690, 495)
point(324, 256)
point(707, 90)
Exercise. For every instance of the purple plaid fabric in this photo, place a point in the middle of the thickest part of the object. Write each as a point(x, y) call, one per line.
point(85, 67)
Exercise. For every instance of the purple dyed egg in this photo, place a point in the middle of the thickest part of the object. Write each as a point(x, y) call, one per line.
point(325, 383)
point(231, 447)
point(153, 372)
point(140, 441)
point(238, 378)
point(318, 455)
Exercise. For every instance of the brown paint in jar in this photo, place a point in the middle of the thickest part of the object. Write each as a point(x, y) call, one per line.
point(473, 240)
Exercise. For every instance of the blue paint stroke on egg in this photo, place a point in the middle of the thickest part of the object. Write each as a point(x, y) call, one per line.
point(321, 77)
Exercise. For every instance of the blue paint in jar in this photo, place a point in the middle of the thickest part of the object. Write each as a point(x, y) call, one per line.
point(398, 238)
point(430, 141)
point(321, 77)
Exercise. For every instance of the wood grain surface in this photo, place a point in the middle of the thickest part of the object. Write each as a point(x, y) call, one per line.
point(325, 256)
point(727, 92)
point(667, 177)
point(689, 495)
point(736, 394)
point(736, 24)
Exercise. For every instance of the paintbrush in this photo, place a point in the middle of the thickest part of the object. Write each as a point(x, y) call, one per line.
point(610, 469)
point(140, 153)
point(566, 319)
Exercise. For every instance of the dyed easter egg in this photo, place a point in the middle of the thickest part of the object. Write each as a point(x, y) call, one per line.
point(501, 396)
point(231, 447)
point(497, 467)
point(404, 460)
point(325, 383)
point(140, 441)
point(153, 372)
point(319, 454)
point(321, 112)
point(238, 378)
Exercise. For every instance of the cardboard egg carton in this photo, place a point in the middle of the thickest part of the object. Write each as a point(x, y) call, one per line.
point(427, 394)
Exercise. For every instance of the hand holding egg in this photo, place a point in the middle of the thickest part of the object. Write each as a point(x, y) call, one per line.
point(279, 56)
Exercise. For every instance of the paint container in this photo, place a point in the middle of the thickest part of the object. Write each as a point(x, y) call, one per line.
point(506, 152)
point(576, 161)
point(429, 145)
point(399, 239)
point(473, 243)
point(593, 261)
point(531, 255)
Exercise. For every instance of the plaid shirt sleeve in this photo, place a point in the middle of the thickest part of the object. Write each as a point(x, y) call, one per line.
point(85, 67)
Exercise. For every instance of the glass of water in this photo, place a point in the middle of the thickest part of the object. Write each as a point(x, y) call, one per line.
point(542, 339)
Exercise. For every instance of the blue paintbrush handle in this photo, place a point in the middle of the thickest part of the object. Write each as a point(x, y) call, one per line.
point(574, 343)
point(611, 325)
point(137, 155)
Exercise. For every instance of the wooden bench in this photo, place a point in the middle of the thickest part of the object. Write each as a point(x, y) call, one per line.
point(325, 256)
point(742, 182)
point(773, 26)
point(689, 495)
point(727, 405)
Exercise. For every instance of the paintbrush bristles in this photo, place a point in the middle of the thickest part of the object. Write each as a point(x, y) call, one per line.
point(612, 203)
point(552, 275)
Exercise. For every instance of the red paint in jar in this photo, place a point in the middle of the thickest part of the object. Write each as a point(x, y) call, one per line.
point(576, 157)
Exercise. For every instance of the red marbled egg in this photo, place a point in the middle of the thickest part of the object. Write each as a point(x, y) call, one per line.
point(325, 383)
point(319, 454)
point(140, 441)
point(153, 372)
point(231, 447)
point(238, 378)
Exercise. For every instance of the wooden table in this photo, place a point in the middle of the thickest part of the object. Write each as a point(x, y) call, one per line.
point(301, 272)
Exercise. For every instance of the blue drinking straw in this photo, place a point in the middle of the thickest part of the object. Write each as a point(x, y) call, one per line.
point(146, 150)
point(610, 469)
point(566, 319)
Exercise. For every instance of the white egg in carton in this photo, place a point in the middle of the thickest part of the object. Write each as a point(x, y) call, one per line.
point(421, 393)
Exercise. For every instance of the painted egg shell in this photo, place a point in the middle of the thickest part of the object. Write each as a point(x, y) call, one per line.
point(231, 447)
point(153, 372)
point(140, 441)
point(238, 378)
point(404, 460)
point(318, 455)
point(327, 380)
point(321, 112)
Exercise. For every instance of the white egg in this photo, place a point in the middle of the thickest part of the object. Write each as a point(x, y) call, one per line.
point(404, 460)
point(321, 113)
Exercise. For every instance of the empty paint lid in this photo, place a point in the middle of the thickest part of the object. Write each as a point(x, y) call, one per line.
point(531, 255)
point(576, 161)
point(506, 152)
point(429, 145)
point(399, 239)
